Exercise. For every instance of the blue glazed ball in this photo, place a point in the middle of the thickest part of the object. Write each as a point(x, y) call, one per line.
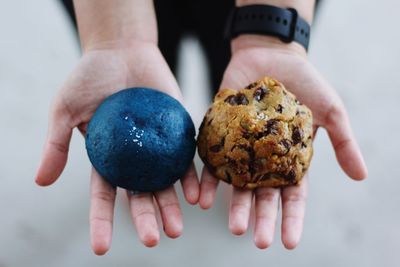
point(141, 139)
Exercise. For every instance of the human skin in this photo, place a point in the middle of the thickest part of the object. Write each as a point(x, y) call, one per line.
point(256, 56)
point(119, 43)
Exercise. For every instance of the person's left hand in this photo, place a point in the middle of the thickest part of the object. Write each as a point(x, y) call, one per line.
point(252, 59)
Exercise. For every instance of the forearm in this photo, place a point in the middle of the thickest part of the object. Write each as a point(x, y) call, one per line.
point(104, 23)
point(305, 9)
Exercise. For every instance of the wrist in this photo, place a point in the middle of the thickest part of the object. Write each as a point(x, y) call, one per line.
point(118, 44)
point(249, 41)
point(115, 24)
point(304, 10)
point(105, 40)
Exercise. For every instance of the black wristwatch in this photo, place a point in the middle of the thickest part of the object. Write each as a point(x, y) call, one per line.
point(283, 23)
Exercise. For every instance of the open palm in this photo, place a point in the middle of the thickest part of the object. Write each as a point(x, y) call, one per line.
point(302, 79)
point(100, 73)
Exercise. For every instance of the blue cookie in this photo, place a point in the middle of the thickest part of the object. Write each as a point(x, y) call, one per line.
point(141, 139)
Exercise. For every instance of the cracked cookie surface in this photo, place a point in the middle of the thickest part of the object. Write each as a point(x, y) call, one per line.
point(258, 136)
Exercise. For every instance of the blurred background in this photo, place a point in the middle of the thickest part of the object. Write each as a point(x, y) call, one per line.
point(354, 44)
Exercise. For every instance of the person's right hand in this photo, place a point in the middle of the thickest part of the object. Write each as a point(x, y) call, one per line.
point(102, 71)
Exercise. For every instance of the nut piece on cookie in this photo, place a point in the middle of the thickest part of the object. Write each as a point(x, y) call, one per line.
point(259, 136)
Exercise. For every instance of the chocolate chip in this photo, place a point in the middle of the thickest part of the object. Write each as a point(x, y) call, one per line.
point(230, 160)
point(216, 148)
point(246, 135)
point(279, 108)
point(287, 144)
point(291, 176)
point(222, 142)
point(303, 145)
point(251, 85)
point(259, 93)
point(252, 164)
point(297, 112)
point(210, 121)
point(271, 127)
point(228, 177)
point(252, 168)
point(297, 135)
point(239, 99)
point(250, 152)
point(231, 100)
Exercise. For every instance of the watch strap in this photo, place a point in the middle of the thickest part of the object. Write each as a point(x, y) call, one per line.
point(283, 23)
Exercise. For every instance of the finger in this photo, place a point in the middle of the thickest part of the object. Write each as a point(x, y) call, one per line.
point(266, 208)
point(170, 212)
point(240, 210)
point(293, 209)
point(101, 213)
point(143, 215)
point(347, 151)
point(55, 151)
point(190, 185)
point(208, 188)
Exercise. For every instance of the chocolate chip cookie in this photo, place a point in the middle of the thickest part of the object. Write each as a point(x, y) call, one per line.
point(258, 136)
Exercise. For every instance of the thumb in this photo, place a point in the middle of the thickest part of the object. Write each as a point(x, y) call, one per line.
point(336, 121)
point(346, 148)
point(56, 147)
